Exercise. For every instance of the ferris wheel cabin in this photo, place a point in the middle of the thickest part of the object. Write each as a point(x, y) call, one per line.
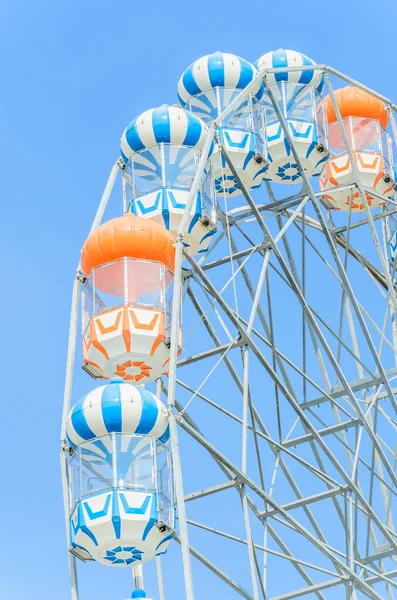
point(120, 473)
point(206, 89)
point(365, 119)
point(161, 149)
point(127, 297)
point(298, 98)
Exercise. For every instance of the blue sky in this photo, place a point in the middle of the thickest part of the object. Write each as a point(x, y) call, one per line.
point(73, 74)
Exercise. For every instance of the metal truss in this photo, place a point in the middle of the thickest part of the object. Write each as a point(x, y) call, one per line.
point(283, 414)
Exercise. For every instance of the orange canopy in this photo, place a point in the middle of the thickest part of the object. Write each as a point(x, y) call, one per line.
point(131, 237)
point(354, 102)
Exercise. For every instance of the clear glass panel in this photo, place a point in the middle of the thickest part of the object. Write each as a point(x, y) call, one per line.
point(147, 171)
point(164, 484)
point(386, 151)
point(295, 101)
point(259, 143)
point(144, 283)
point(257, 115)
point(205, 105)
point(258, 126)
point(208, 193)
point(362, 134)
point(128, 186)
point(126, 462)
point(269, 111)
point(108, 285)
point(241, 118)
point(135, 462)
point(366, 134)
point(169, 290)
point(321, 118)
point(74, 479)
point(125, 281)
point(180, 165)
point(392, 223)
point(300, 103)
point(114, 460)
point(96, 473)
point(280, 94)
point(87, 304)
point(209, 105)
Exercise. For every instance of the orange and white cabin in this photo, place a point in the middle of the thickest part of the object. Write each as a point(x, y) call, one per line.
point(365, 120)
point(128, 266)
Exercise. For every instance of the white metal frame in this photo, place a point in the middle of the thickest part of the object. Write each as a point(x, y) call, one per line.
point(350, 405)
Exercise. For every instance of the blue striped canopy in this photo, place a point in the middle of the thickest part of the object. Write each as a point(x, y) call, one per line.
point(117, 407)
point(217, 70)
point(166, 124)
point(290, 58)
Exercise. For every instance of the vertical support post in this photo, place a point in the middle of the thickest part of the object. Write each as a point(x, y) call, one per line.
point(243, 494)
point(351, 542)
point(66, 406)
point(175, 333)
point(137, 574)
point(160, 582)
point(245, 409)
point(246, 400)
point(387, 233)
point(187, 569)
point(251, 549)
point(73, 578)
point(124, 193)
point(67, 397)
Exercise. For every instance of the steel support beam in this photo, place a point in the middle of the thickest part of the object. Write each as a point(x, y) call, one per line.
point(308, 500)
point(312, 588)
point(356, 386)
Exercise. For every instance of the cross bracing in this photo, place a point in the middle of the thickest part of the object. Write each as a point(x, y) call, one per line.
point(282, 405)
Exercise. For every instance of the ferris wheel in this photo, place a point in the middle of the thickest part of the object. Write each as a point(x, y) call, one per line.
point(240, 318)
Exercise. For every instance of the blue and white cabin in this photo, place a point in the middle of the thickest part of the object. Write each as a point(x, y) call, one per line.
point(206, 88)
point(120, 474)
point(161, 148)
point(298, 96)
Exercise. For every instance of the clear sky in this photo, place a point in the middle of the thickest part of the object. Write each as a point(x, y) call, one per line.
point(72, 75)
